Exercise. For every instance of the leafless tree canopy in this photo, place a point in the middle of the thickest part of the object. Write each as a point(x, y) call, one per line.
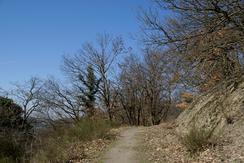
point(60, 101)
point(208, 36)
point(27, 95)
point(102, 58)
point(197, 47)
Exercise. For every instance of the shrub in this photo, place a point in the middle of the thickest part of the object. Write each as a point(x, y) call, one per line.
point(90, 129)
point(197, 140)
point(4, 159)
point(15, 132)
point(53, 147)
point(10, 148)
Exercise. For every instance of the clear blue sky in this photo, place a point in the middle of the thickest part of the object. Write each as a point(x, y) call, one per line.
point(34, 34)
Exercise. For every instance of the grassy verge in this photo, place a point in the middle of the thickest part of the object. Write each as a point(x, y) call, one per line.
point(67, 142)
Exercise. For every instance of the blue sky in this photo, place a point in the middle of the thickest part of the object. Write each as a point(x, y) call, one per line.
point(34, 34)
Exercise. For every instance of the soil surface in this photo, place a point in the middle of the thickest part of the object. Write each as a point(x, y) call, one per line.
point(124, 150)
point(161, 144)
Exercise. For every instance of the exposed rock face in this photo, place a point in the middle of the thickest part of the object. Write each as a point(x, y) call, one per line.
point(221, 111)
point(218, 110)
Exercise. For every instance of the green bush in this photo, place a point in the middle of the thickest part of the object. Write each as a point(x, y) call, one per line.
point(90, 129)
point(197, 140)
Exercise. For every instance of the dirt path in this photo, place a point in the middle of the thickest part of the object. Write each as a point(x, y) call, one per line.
point(123, 150)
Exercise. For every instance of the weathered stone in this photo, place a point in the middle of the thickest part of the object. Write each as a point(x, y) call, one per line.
point(215, 110)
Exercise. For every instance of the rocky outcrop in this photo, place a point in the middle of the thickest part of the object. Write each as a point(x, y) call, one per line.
point(217, 110)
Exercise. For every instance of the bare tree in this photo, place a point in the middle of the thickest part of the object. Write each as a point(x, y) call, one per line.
point(131, 83)
point(146, 88)
point(3, 92)
point(102, 57)
point(157, 86)
point(27, 96)
point(208, 36)
point(60, 102)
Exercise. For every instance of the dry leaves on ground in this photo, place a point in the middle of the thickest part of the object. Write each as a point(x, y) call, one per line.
point(161, 144)
point(90, 151)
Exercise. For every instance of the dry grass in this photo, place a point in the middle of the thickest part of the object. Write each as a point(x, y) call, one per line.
point(197, 140)
point(162, 144)
point(68, 143)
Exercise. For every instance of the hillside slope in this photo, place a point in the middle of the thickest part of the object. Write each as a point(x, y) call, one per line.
point(217, 110)
point(220, 111)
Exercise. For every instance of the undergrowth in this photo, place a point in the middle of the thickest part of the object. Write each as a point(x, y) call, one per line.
point(53, 148)
point(197, 140)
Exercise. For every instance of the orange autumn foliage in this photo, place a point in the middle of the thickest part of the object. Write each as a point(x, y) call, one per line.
point(186, 99)
point(182, 105)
